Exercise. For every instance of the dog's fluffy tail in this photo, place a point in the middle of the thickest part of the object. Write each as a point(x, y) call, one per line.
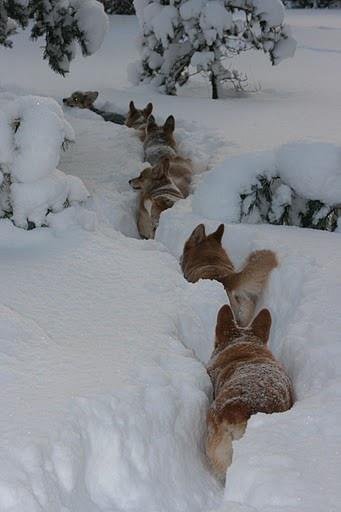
point(219, 442)
point(245, 287)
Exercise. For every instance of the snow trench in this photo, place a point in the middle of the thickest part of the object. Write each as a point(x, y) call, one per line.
point(110, 414)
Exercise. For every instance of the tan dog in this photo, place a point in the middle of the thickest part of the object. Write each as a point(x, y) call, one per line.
point(158, 192)
point(205, 258)
point(159, 140)
point(86, 99)
point(246, 379)
point(137, 118)
point(178, 168)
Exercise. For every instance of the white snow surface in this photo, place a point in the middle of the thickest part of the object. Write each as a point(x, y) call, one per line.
point(103, 343)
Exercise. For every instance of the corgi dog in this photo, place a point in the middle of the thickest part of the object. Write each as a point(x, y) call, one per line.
point(86, 99)
point(159, 140)
point(137, 118)
point(204, 257)
point(158, 192)
point(246, 379)
point(178, 168)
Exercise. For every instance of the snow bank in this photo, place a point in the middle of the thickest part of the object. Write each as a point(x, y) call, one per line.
point(103, 406)
point(311, 169)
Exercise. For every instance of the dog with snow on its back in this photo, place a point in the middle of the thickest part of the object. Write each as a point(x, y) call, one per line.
point(160, 186)
point(86, 100)
point(159, 140)
point(246, 379)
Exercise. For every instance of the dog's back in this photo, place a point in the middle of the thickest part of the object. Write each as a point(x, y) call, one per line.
point(159, 141)
point(181, 173)
point(246, 379)
point(158, 192)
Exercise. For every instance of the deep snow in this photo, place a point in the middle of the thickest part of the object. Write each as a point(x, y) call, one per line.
point(102, 405)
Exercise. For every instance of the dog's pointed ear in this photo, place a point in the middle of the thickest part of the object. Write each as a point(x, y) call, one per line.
point(169, 125)
point(225, 327)
point(132, 107)
point(261, 325)
point(198, 235)
point(91, 96)
point(148, 109)
point(151, 123)
point(218, 234)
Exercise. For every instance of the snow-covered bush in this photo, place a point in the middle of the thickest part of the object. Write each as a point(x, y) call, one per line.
point(311, 3)
point(118, 6)
point(272, 201)
point(32, 132)
point(297, 184)
point(62, 23)
point(181, 35)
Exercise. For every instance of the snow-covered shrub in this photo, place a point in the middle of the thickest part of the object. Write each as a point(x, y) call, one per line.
point(272, 201)
point(118, 6)
point(32, 132)
point(181, 35)
point(63, 23)
point(296, 184)
point(311, 3)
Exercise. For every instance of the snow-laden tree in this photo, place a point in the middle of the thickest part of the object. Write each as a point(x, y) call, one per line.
point(32, 132)
point(180, 35)
point(62, 23)
point(118, 6)
point(312, 3)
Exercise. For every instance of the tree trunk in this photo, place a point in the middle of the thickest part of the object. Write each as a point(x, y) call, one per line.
point(213, 80)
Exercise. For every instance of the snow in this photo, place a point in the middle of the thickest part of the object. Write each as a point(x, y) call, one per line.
point(312, 169)
point(30, 153)
point(92, 21)
point(102, 341)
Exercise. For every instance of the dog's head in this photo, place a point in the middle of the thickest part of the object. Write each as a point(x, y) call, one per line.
point(227, 330)
point(166, 130)
point(153, 177)
point(81, 99)
point(202, 249)
point(136, 118)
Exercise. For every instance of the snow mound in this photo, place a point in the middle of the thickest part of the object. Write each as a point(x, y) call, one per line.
point(33, 131)
point(311, 169)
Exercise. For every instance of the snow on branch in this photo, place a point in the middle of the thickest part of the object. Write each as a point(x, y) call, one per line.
point(182, 34)
point(62, 23)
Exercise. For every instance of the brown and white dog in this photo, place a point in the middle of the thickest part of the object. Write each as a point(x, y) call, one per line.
point(159, 140)
point(246, 379)
point(158, 192)
point(86, 100)
point(205, 258)
point(137, 118)
point(178, 168)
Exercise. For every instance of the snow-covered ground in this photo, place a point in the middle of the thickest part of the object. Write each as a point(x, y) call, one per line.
point(103, 343)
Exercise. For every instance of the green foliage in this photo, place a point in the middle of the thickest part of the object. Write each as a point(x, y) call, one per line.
point(55, 20)
point(118, 6)
point(271, 201)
